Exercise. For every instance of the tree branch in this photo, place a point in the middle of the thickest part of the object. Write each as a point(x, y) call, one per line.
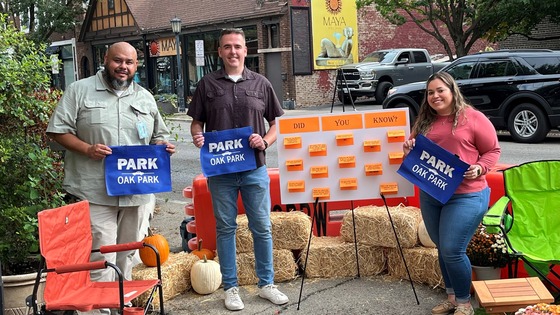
point(529, 37)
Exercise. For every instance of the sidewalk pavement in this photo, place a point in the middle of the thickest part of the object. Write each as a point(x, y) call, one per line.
point(378, 295)
point(365, 295)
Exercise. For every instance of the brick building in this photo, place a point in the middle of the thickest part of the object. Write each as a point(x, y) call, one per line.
point(546, 29)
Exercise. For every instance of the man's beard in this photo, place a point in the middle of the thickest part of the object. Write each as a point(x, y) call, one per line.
point(119, 85)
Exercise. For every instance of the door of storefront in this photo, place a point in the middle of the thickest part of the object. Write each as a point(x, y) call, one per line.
point(274, 73)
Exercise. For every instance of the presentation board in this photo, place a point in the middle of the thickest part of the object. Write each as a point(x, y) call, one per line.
point(342, 156)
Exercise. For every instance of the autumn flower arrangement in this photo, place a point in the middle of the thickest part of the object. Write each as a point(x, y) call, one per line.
point(539, 309)
point(487, 249)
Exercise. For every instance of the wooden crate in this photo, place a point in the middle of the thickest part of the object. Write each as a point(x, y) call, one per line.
point(509, 295)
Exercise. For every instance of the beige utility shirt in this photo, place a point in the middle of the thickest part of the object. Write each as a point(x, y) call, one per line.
point(92, 111)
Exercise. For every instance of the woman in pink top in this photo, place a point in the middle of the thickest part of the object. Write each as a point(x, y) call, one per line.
point(447, 119)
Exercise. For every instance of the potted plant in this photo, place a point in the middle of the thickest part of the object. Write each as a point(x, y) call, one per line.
point(30, 172)
point(487, 250)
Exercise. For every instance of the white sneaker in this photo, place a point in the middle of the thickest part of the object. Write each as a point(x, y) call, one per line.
point(233, 301)
point(271, 293)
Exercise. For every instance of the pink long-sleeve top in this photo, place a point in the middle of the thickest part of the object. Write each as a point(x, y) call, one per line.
point(474, 141)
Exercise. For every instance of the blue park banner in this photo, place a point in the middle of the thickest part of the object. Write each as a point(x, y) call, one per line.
point(137, 169)
point(227, 151)
point(433, 169)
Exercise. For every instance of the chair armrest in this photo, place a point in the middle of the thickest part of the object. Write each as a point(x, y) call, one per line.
point(81, 267)
point(120, 247)
point(494, 217)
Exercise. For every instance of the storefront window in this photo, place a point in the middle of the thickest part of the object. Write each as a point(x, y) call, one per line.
point(98, 56)
point(212, 62)
point(140, 76)
point(63, 71)
point(68, 65)
point(163, 75)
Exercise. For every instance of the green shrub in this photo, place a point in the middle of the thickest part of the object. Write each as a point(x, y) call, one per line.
point(30, 172)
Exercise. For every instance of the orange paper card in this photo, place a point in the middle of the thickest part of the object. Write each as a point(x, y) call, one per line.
point(318, 149)
point(374, 169)
point(346, 161)
point(319, 171)
point(389, 188)
point(344, 139)
point(294, 165)
point(395, 135)
point(322, 193)
point(299, 125)
point(348, 183)
point(292, 142)
point(296, 185)
point(396, 157)
point(372, 146)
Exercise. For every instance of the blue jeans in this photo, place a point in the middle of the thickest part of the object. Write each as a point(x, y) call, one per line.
point(451, 227)
point(254, 187)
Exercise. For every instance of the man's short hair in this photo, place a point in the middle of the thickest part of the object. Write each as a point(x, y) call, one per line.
point(227, 31)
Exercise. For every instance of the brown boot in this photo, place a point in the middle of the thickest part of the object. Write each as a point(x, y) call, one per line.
point(444, 307)
point(464, 310)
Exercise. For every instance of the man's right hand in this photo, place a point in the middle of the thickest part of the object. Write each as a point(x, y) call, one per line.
point(98, 151)
point(198, 140)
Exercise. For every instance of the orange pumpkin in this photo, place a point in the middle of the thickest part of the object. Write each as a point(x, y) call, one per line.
point(148, 256)
point(201, 252)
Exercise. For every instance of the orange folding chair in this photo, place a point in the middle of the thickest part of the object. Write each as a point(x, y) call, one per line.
point(66, 244)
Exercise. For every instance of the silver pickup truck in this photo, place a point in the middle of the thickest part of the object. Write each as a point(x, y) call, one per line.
point(380, 70)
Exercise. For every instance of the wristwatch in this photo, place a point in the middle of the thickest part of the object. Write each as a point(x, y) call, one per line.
point(265, 144)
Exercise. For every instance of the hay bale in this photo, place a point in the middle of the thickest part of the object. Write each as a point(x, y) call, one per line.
point(422, 264)
point(373, 226)
point(331, 257)
point(290, 230)
point(175, 274)
point(285, 267)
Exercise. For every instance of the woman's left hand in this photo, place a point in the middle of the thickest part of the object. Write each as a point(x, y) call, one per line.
point(170, 147)
point(473, 171)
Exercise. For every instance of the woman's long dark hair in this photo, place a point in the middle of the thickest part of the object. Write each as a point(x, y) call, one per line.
point(427, 115)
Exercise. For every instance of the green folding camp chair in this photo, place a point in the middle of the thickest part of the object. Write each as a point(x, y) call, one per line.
point(529, 217)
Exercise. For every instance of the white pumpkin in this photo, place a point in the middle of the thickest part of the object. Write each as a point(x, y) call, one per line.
point(206, 276)
point(425, 239)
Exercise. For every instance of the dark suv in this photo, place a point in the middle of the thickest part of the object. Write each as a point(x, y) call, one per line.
point(518, 90)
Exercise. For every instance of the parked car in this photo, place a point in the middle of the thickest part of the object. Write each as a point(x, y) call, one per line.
point(518, 90)
point(380, 70)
